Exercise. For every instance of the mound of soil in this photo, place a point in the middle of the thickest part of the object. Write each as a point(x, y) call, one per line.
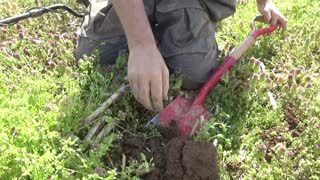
point(185, 159)
point(175, 157)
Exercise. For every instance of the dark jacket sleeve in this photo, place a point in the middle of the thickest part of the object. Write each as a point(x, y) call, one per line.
point(220, 9)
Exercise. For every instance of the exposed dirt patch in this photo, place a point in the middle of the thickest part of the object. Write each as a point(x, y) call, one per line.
point(290, 116)
point(168, 132)
point(185, 159)
point(275, 135)
point(132, 147)
point(292, 119)
point(233, 166)
point(175, 157)
point(271, 137)
point(182, 158)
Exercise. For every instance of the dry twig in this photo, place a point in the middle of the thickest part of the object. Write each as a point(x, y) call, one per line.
point(124, 159)
point(105, 105)
point(123, 166)
point(110, 160)
point(105, 131)
point(97, 126)
point(198, 124)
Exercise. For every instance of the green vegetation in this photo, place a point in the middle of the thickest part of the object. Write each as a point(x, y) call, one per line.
point(45, 94)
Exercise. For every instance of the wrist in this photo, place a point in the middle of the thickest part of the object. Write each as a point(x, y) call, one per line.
point(142, 43)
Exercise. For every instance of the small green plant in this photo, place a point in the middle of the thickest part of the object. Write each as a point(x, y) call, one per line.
point(137, 168)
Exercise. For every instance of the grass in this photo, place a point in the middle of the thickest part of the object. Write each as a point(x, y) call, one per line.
point(44, 95)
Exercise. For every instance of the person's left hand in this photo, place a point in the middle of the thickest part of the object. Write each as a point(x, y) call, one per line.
point(271, 14)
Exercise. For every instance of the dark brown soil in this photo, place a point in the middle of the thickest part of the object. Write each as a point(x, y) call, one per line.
point(271, 137)
point(185, 159)
point(175, 157)
point(292, 119)
point(168, 132)
point(275, 135)
point(233, 166)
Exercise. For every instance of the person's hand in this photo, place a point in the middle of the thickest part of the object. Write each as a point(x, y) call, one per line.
point(148, 76)
point(271, 14)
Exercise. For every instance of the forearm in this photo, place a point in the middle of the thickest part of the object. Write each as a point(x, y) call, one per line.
point(135, 22)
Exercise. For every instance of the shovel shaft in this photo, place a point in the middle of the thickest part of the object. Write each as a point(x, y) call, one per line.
point(224, 67)
point(230, 61)
point(214, 78)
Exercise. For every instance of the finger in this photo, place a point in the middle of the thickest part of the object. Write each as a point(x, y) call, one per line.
point(274, 20)
point(165, 83)
point(280, 18)
point(156, 93)
point(266, 16)
point(283, 21)
point(134, 85)
point(144, 94)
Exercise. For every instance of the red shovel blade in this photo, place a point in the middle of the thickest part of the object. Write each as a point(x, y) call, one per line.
point(184, 113)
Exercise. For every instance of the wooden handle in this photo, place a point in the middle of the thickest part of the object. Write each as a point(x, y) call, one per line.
point(238, 52)
point(231, 60)
point(224, 67)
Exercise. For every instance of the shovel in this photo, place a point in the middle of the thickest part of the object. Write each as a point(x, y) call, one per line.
point(187, 113)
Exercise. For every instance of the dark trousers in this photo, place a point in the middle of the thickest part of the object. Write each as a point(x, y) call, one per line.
point(182, 28)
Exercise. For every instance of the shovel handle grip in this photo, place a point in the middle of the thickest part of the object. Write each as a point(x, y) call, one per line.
point(258, 32)
point(231, 60)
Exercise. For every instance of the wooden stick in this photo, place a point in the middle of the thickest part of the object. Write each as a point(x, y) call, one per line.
point(110, 160)
point(124, 159)
point(105, 131)
point(94, 130)
point(123, 166)
point(105, 105)
point(196, 125)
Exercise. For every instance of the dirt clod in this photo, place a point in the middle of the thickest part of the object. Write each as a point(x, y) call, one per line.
point(233, 166)
point(271, 137)
point(185, 159)
point(290, 116)
point(292, 120)
point(175, 157)
point(168, 132)
point(133, 147)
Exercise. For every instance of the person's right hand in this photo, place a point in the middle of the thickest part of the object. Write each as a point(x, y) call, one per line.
point(148, 76)
point(271, 14)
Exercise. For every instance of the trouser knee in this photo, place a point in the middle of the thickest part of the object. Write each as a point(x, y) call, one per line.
point(106, 51)
point(196, 68)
